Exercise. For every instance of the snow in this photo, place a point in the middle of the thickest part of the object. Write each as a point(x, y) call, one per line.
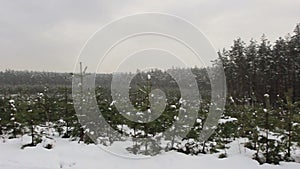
point(173, 106)
point(176, 118)
point(231, 99)
point(199, 121)
point(112, 103)
point(71, 155)
point(11, 101)
point(230, 119)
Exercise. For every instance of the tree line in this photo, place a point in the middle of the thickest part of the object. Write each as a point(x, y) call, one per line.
point(263, 104)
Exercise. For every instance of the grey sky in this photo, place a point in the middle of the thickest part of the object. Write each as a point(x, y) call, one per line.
point(48, 35)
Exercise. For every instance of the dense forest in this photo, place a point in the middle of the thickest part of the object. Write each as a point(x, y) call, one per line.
point(263, 104)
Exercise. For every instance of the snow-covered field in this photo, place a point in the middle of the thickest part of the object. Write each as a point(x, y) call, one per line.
point(71, 155)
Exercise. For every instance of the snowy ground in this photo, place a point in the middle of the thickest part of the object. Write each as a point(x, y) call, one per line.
point(71, 155)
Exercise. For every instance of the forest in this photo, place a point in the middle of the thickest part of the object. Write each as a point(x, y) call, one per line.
point(262, 105)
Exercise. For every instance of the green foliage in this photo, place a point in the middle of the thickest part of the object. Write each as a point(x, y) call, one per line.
point(223, 155)
point(262, 81)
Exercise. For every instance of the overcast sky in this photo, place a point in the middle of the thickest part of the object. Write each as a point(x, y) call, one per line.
point(47, 35)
